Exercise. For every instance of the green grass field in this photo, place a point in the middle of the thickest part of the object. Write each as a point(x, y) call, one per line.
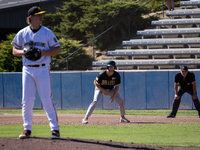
point(180, 134)
point(159, 112)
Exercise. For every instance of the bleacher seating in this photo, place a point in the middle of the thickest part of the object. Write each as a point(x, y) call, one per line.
point(151, 62)
point(179, 31)
point(189, 3)
point(183, 12)
point(166, 44)
point(140, 52)
point(176, 22)
point(169, 41)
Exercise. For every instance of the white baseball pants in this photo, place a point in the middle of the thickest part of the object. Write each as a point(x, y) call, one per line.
point(97, 98)
point(32, 78)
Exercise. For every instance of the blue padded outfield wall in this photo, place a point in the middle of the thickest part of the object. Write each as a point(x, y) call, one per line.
point(74, 90)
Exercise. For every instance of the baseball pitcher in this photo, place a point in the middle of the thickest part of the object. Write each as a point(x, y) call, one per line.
point(36, 44)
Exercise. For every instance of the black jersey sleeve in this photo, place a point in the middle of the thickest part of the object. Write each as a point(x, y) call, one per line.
point(98, 79)
point(192, 77)
point(118, 79)
point(177, 76)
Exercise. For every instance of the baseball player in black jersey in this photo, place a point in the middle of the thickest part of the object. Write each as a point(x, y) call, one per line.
point(107, 83)
point(184, 82)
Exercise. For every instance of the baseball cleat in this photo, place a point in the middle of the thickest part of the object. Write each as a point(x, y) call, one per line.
point(124, 120)
point(55, 134)
point(25, 134)
point(85, 121)
point(171, 116)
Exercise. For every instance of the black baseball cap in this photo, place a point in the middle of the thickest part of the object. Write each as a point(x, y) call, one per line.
point(184, 68)
point(35, 10)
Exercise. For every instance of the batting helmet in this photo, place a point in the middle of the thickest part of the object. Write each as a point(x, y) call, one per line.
point(111, 63)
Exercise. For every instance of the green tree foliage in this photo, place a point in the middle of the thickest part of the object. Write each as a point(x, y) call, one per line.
point(73, 13)
point(156, 5)
point(83, 20)
point(112, 13)
point(78, 61)
point(9, 63)
point(52, 21)
point(79, 21)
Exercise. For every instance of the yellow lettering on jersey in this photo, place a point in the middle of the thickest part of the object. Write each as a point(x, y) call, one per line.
point(112, 82)
point(104, 82)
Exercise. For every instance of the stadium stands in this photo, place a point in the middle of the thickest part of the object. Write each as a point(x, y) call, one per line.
point(164, 47)
point(171, 41)
point(183, 12)
point(140, 52)
point(176, 22)
point(150, 62)
point(162, 32)
point(189, 3)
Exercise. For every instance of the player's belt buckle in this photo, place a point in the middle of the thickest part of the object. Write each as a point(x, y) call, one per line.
point(36, 65)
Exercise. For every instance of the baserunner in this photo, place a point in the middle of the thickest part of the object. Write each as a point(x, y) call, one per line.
point(107, 83)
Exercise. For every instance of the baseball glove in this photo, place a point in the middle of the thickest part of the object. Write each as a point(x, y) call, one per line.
point(32, 53)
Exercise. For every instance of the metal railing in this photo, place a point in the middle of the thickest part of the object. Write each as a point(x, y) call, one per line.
point(66, 58)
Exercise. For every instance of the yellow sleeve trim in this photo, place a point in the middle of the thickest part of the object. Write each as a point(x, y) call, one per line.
point(96, 82)
point(16, 44)
point(118, 84)
point(54, 45)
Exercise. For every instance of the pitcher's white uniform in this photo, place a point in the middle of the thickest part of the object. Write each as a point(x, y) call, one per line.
point(36, 74)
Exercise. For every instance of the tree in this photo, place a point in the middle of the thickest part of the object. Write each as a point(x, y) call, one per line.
point(8, 62)
point(83, 20)
point(78, 61)
point(52, 21)
point(78, 22)
point(156, 5)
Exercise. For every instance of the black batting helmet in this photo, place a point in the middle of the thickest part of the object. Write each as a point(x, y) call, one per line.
point(111, 63)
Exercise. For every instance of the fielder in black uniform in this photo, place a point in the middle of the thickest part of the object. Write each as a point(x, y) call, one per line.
point(107, 83)
point(184, 82)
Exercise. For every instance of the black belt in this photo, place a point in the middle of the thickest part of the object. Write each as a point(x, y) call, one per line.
point(36, 65)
